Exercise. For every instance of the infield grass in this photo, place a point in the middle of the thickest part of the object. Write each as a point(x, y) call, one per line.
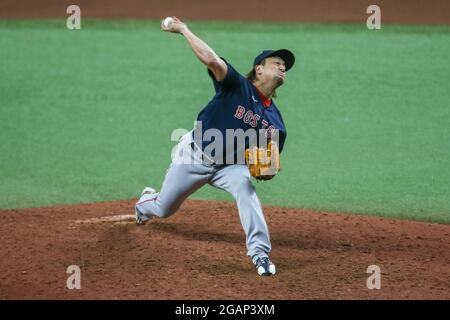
point(87, 115)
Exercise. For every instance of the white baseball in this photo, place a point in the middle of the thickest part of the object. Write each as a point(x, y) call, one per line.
point(167, 23)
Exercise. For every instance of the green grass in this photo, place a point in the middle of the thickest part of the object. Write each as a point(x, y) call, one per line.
point(87, 115)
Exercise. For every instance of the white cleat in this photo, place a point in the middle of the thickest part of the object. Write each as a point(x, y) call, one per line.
point(265, 267)
point(148, 190)
point(140, 218)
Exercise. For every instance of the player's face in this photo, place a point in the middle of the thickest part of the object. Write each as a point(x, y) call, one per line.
point(275, 68)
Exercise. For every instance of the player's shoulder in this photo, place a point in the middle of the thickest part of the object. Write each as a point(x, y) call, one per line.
point(235, 72)
point(276, 110)
point(232, 74)
point(274, 107)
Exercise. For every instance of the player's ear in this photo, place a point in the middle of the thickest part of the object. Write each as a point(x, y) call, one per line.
point(258, 69)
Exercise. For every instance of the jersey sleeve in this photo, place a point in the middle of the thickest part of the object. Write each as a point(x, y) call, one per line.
point(282, 132)
point(232, 79)
point(283, 136)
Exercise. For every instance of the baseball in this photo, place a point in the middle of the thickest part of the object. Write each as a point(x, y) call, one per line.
point(167, 22)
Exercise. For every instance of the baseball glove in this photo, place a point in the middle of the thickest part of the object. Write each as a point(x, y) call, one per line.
point(263, 164)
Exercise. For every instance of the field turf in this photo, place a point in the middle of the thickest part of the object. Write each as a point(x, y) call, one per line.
point(86, 115)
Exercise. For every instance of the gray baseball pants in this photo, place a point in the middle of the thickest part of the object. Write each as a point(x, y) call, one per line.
point(184, 178)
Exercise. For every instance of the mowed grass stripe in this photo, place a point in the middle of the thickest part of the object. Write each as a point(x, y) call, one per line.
point(87, 115)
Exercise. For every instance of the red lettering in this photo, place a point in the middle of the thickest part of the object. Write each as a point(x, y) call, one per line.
point(248, 116)
point(255, 119)
point(240, 110)
point(270, 131)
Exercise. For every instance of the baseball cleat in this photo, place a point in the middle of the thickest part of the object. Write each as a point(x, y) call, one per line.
point(139, 217)
point(265, 267)
point(148, 190)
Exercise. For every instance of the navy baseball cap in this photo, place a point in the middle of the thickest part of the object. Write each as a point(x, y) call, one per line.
point(287, 56)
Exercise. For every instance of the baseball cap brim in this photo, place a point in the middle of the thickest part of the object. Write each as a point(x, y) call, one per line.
point(287, 56)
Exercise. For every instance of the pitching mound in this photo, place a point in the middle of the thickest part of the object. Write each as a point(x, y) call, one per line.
point(199, 253)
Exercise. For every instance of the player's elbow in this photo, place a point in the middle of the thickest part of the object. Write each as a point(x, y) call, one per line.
point(218, 67)
point(211, 59)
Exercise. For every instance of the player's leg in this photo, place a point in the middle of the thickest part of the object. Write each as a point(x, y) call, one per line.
point(182, 179)
point(236, 180)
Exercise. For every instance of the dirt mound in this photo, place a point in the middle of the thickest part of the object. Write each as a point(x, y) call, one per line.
point(199, 253)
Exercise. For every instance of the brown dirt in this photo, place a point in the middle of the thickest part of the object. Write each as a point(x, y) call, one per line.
point(392, 11)
point(199, 253)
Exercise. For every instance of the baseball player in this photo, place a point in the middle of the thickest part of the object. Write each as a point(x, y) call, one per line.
point(239, 103)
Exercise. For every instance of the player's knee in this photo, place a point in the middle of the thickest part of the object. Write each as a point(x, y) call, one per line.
point(242, 186)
